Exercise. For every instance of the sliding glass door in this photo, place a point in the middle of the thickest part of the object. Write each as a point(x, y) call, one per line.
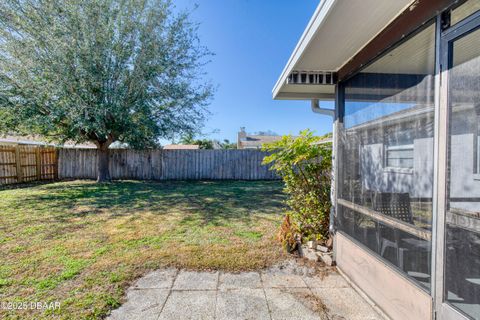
point(458, 253)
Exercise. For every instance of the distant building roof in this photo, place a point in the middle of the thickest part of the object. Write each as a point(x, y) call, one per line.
point(254, 141)
point(325, 140)
point(254, 138)
point(37, 140)
point(181, 147)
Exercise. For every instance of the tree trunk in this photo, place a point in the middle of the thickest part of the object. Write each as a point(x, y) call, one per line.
point(103, 173)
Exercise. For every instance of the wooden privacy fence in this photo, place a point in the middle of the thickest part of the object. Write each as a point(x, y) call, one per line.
point(25, 163)
point(167, 164)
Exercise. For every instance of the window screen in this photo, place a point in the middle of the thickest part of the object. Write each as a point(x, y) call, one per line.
point(462, 231)
point(388, 123)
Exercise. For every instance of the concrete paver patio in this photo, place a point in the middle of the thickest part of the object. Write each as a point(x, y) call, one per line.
point(276, 293)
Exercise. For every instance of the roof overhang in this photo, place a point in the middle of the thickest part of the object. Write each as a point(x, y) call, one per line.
point(338, 30)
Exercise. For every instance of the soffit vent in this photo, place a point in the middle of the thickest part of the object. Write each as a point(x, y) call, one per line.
point(312, 77)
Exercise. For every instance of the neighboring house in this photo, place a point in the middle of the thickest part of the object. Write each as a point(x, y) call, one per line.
point(254, 141)
point(405, 78)
point(181, 147)
point(36, 140)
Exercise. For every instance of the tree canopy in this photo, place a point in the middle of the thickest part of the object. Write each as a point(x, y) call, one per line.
point(101, 71)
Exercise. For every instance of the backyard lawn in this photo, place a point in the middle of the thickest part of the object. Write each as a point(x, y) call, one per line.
point(82, 243)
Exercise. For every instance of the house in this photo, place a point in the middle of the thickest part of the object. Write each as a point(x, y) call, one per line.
point(405, 78)
point(181, 147)
point(254, 141)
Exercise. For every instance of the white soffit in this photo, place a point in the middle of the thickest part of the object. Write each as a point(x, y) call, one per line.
point(415, 56)
point(336, 32)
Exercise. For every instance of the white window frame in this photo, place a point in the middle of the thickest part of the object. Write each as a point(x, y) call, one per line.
point(476, 154)
point(396, 169)
point(476, 150)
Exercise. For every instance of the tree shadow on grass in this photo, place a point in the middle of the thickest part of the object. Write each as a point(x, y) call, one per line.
point(24, 185)
point(214, 202)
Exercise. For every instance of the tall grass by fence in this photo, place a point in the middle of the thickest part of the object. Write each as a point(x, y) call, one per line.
point(25, 163)
point(167, 164)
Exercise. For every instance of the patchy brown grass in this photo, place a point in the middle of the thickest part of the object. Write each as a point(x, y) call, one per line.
point(82, 243)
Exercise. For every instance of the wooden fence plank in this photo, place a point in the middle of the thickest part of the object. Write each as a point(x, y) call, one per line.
point(25, 163)
point(18, 164)
point(167, 164)
point(38, 164)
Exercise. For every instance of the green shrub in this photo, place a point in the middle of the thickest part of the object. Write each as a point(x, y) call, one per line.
point(305, 167)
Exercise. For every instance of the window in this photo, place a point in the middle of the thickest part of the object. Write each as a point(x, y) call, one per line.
point(399, 157)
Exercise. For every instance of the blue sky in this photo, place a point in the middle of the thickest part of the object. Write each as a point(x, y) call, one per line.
point(252, 41)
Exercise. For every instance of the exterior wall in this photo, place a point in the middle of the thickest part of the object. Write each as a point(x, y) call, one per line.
point(464, 182)
point(376, 177)
point(397, 297)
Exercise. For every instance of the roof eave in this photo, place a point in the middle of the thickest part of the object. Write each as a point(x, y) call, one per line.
point(303, 96)
point(313, 25)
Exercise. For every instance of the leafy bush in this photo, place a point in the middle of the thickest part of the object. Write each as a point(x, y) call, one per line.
point(305, 167)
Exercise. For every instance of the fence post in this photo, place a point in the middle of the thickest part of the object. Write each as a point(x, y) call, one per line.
point(55, 167)
point(18, 163)
point(38, 163)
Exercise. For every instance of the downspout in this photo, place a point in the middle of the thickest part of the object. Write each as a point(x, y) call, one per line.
point(327, 112)
point(317, 109)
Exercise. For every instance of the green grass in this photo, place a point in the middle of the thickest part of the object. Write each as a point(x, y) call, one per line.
point(82, 243)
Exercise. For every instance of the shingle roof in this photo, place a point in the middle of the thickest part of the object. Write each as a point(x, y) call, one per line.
point(37, 140)
point(256, 141)
point(181, 147)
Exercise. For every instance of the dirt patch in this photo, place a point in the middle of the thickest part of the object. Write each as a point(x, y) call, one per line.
point(313, 303)
point(303, 267)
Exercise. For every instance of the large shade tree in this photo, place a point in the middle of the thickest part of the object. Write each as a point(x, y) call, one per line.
point(101, 71)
